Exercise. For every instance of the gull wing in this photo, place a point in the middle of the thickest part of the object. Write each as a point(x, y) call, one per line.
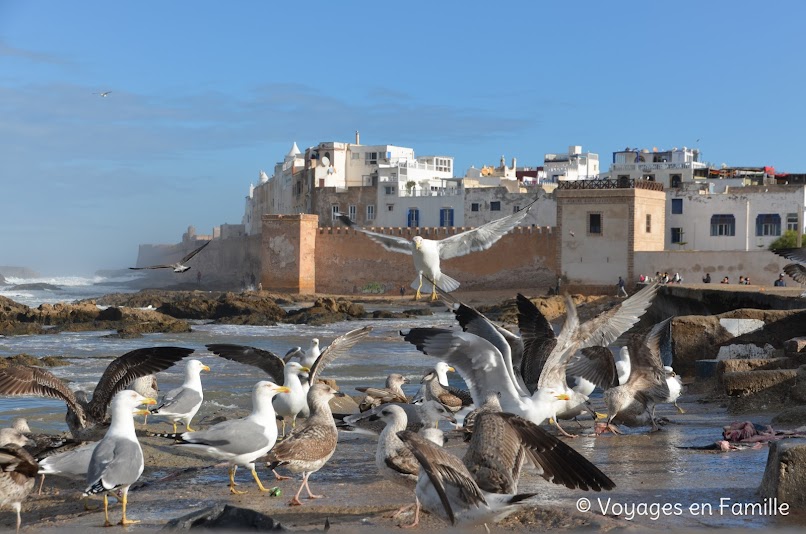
point(608, 326)
point(389, 242)
point(194, 252)
point(647, 375)
point(443, 469)
point(480, 238)
point(553, 373)
point(538, 338)
point(31, 381)
point(340, 346)
point(476, 359)
point(123, 370)
point(795, 254)
point(152, 267)
point(796, 271)
point(266, 360)
point(595, 364)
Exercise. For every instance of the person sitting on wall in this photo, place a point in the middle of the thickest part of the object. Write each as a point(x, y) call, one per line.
point(780, 282)
point(725, 280)
point(707, 278)
point(747, 280)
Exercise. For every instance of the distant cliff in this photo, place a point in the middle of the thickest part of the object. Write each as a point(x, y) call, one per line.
point(17, 272)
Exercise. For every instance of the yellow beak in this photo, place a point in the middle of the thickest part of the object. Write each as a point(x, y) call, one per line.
point(283, 389)
point(150, 401)
point(451, 369)
point(562, 396)
point(205, 368)
point(141, 412)
point(305, 369)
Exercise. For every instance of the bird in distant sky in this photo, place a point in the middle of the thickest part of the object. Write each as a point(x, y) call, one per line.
point(104, 94)
point(178, 267)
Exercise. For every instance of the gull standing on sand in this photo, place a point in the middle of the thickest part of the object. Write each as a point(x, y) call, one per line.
point(178, 267)
point(308, 447)
point(17, 476)
point(239, 441)
point(427, 253)
point(86, 418)
point(71, 460)
point(182, 403)
point(117, 461)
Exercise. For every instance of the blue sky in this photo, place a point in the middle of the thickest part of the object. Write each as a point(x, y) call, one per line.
point(206, 94)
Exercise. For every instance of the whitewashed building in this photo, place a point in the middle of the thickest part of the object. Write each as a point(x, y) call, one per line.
point(668, 167)
point(574, 165)
point(741, 218)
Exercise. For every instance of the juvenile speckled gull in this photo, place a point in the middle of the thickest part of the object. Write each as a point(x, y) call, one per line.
point(17, 474)
point(427, 253)
point(182, 403)
point(239, 442)
point(85, 418)
point(117, 461)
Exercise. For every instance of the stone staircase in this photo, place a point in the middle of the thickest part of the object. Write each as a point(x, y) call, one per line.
point(761, 384)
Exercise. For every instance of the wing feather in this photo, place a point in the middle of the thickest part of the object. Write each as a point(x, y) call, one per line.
point(340, 346)
point(265, 360)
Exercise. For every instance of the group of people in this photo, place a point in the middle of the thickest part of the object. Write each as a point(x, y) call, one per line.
point(663, 278)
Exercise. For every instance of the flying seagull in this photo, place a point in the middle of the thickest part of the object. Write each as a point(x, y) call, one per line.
point(104, 94)
point(427, 253)
point(178, 267)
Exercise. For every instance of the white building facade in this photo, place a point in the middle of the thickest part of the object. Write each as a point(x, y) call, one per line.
point(574, 165)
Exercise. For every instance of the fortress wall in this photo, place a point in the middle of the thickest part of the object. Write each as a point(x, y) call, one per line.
point(348, 260)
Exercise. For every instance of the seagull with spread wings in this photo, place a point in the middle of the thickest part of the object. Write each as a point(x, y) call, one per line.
point(178, 267)
point(795, 270)
point(85, 417)
point(427, 253)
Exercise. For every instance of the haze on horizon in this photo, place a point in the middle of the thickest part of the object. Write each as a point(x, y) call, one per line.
point(203, 96)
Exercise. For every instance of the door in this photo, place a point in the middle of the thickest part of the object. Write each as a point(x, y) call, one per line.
point(414, 218)
point(446, 217)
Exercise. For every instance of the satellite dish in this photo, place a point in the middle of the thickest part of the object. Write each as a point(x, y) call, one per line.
point(325, 161)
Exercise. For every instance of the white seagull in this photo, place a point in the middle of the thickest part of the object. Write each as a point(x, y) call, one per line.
point(427, 253)
point(117, 461)
point(182, 403)
point(239, 441)
point(178, 267)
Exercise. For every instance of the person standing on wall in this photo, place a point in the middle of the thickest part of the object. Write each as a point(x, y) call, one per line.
point(621, 291)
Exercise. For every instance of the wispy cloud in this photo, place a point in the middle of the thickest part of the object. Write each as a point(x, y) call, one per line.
point(6, 50)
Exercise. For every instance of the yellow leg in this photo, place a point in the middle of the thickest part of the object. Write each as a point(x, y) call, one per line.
point(123, 521)
point(418, 295)
point(600, 415)
point(232, 482)
point(189, 429)
point(259, 483)
point(174, 427)
point(106, 511)
point(679, 409)
point(434, 292)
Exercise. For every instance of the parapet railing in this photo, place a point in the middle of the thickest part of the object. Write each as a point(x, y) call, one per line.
point(428, 231)
point(619, 183)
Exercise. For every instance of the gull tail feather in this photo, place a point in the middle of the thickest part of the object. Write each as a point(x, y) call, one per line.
point(445, 284)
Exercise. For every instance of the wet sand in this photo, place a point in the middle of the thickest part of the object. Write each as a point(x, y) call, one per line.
point(647, 468)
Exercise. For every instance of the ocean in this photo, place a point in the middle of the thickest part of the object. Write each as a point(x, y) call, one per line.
point(229, 384)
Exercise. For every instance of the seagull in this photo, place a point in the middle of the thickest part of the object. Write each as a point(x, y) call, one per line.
point(305, 357)
point(633, 402)
point(392, 392)
point(182, 403)
point(418, 417)
point(72, 460)
point(434, 391)
point(147, 387)
point(427, 253)
point(104, 94)
point(178, 267)
point(308, 447)
point(483, 486)
point(239, 441)
point(393, 459)
point(17, 475)
point(117, 461)
point(275, 367)
point(86, 417)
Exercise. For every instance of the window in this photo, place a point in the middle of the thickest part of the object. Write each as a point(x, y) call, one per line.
point(474, 206)
point(723, 224)
point(334, 212)
point(390, 207)
point(676, 180)
point(443, 164)
point(677, 235)
point(768, 224)
point(594, 224)
point(446, 217)
point(792, 221)
point(516, 208)
point(389, 189)
point(677, 206)
point(371, 158)
point(371, 212)
point(413, 219)
point(495, 206)
point(352, 211)
point(649, 223)
point(355, 155)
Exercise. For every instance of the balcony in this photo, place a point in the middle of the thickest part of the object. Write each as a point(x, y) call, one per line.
point(621, 183)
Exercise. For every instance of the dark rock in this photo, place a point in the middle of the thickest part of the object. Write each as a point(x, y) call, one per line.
point(110, 314)
point(24, 359)
point(37, 286)
point(54, 361)
point(785, 474)
point(793, 415)
point(224, 516)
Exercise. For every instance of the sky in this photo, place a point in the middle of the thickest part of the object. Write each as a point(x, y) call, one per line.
point(204, 95)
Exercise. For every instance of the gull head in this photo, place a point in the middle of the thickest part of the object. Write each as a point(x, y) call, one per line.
point(297, 368)
point(389, 414)
point(128, 400)
point(195, 366)
point(433, 411)
point(266, 389)
point(418, 242)
point(442, 367)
